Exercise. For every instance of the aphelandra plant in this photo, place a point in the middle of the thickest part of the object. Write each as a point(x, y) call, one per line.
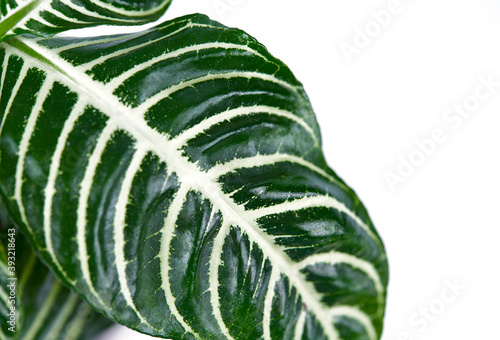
point(41, 308)
point(174, 179)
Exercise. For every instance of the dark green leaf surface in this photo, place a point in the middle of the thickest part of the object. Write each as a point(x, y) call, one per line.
point(175, 179)
point(33, 304)
point(48, 17)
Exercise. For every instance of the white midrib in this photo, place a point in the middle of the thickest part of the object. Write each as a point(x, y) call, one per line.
point(188, 173)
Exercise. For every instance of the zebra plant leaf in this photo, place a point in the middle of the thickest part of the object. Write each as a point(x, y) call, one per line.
point(33, 304)
point(48, 17)
point(175, 179)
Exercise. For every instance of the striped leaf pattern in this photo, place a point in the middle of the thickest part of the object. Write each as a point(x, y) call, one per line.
point(33, 304)
point(48, 17)
point(175, 178)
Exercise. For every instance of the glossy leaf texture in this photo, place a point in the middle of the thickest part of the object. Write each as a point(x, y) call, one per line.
point(33, 303)
point(48, 17)
point(175, 178)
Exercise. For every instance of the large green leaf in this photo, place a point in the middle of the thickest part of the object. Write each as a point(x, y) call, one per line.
point(33, 304)
point(175, 179)
point(48, 17)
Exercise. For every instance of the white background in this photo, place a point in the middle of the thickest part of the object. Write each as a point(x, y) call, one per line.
point(441, 225)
